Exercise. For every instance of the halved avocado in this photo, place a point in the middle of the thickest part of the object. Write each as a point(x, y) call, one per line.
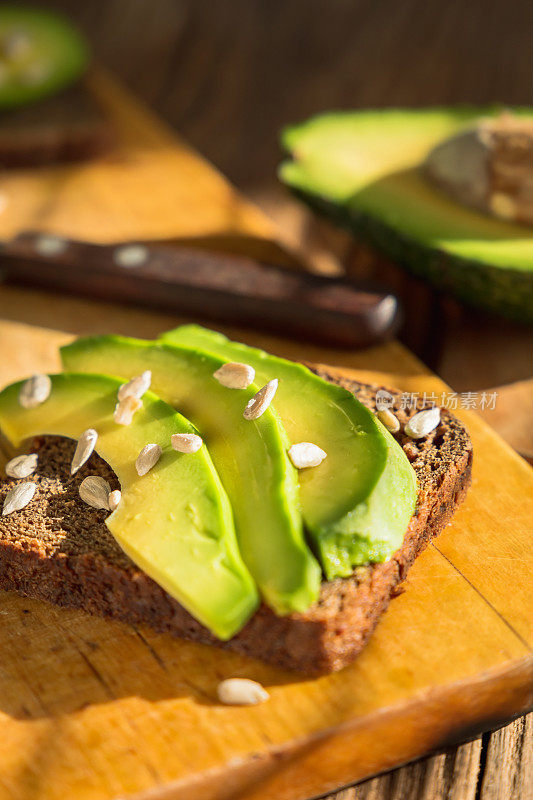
point(364, 169)
point(175, 522)
point(357, 503)
point(250, 457)
point(40, 53)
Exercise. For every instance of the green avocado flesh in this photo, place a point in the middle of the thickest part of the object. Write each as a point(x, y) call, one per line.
point(40, 53)
point(364, 169)
point(250, 457)
point(175, 522)
point(357, 503)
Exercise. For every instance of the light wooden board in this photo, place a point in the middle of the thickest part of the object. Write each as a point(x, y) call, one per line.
point(94, 709)
point(150, 186)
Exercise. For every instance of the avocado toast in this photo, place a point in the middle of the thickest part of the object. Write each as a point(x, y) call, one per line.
point(59, 549)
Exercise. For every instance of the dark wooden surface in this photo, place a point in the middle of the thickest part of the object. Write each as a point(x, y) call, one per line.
point(229, 75)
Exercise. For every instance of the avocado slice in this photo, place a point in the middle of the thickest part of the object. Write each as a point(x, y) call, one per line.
point(364, 169)
point(250, 457)
point(175, 522)
point(357, 503)
point(40, 53)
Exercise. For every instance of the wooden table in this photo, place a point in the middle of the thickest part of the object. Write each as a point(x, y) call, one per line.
point(229, 75)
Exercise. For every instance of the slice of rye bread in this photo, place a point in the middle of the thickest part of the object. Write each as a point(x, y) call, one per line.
point(59, 549)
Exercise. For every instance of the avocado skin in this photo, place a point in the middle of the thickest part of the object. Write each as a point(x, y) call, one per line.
point(498, 289)
point(344, 511)
point(250, 457)
point(175, 522)
point(508, 292)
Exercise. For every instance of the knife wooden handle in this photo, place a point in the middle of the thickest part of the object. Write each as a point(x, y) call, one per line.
point(230, 289)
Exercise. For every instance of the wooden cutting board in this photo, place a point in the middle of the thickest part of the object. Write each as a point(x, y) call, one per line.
point(96, 710)
point(150, 186)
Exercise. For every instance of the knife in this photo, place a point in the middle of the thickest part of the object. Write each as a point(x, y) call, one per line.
point(224, 288)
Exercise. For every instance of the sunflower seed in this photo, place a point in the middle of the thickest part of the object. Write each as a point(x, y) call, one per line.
point(147, 458)
point(384, 399)
point(95, 491)
point(391, 422)
point(186, 442)
point(125, 409)
point(21, 466)
point(423, 423)
point(136, 387)
point(84, 449)
point(241, 692)
point(35, 391)
point(234, 375)
point(306, 454)
point(114, 499)
point(261, 401)
point(18, 497)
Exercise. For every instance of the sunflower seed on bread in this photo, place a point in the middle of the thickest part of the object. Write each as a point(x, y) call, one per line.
point(261, 401)
point(95, 491)
point(125, 409)
point(306, 454)
point(147, 458)
point(423, 423)
point(18, 497)
point(84, 449)
point(35, 391)
point(21, 466)
point(114, 499)
point(390, 420)
point(186, 442)
point(235, 375)
point(135, 387)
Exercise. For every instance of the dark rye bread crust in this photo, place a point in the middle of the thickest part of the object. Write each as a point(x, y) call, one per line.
point(58, 549)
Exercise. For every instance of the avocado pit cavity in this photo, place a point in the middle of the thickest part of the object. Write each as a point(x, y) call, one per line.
point(488, 167)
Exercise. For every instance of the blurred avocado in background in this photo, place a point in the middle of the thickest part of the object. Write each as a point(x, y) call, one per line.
point(40, 54)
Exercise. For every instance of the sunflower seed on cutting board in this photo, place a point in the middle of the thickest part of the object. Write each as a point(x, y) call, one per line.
point(135, 387)
point(186, 442)
point(35, 391)
point(84, 449)
point(95, 491)
point(241, 692)
point(423, 423)
point(306, 454)
point(261, 401)
point(18, 497)
point(235, 375)
point(21, 466)
point(125, 409)
point(147, 458)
